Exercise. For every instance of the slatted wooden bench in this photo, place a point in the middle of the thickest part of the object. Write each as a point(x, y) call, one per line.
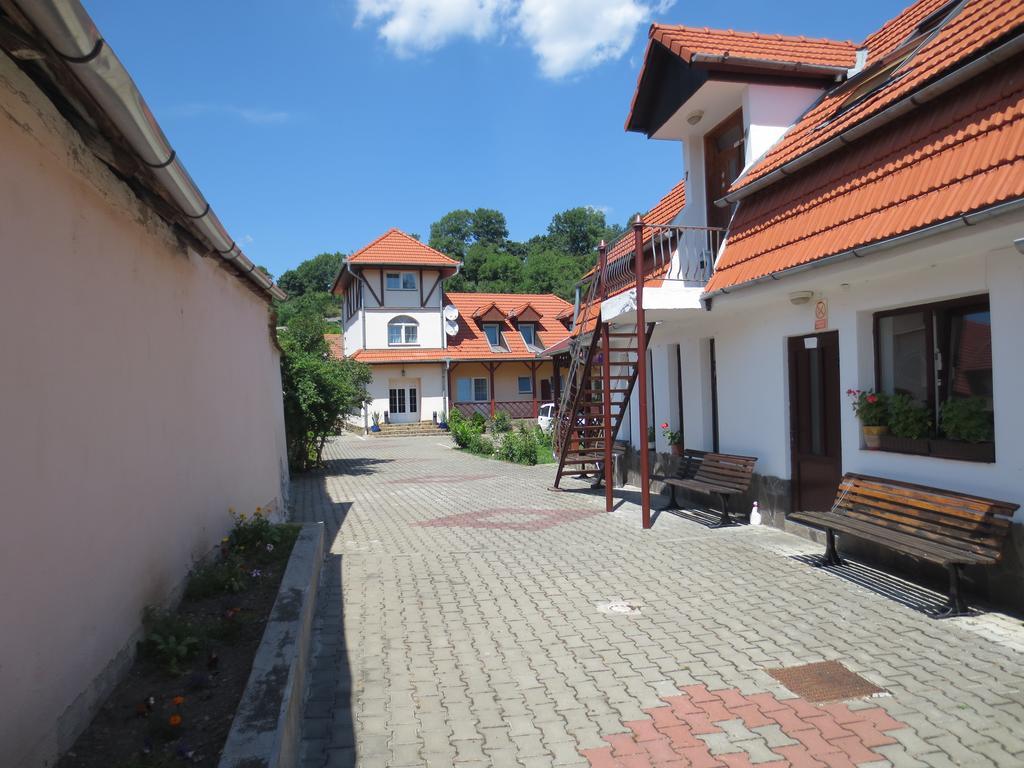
point(944, 527)
point(715, 474)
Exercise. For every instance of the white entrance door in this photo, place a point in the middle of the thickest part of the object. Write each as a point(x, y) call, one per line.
point(403, 400)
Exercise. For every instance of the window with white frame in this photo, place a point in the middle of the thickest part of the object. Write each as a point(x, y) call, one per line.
point(403, 331)
point(400, 281)
point(529, 333)
point(525, 385)
point(493, 332)
point(468, 390)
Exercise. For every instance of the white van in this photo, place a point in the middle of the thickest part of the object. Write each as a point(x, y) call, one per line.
point(546, 416)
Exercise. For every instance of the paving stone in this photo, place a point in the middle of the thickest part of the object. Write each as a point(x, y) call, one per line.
point(457, 624)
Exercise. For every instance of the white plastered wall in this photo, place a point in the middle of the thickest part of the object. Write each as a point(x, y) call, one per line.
point(431, 395)
point(751, 326)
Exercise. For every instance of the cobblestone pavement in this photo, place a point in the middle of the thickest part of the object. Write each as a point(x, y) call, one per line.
point(471, 617)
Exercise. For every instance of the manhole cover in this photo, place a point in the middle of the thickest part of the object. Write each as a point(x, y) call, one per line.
point(619, 608)
point(824, 681)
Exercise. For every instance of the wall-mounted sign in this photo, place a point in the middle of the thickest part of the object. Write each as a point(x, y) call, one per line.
point(821, 314)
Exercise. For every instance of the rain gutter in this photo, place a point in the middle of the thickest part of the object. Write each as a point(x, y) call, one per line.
point(73, 35)
point(769, 64)
point(918, 98)
point(965, 220)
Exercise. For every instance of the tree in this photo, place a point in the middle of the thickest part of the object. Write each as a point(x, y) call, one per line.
point(320, 302)
point(318, 389)
point(313, 275)
point(578, 231)
point(551, 271)
point(456, 231)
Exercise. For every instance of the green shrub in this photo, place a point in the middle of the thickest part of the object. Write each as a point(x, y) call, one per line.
point(482, 445)
point(519, 446)
point(502, 422)
point(907, 418)
point(226, 576)
point(462, 432)
point(170, 639)
point(967, 419)
point(544, 437)
point(479, 422)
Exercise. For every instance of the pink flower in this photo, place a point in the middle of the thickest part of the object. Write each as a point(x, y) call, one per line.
point(872, 399)
point(665, 425)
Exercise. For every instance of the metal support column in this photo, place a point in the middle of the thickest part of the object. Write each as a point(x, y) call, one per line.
point(606, 388)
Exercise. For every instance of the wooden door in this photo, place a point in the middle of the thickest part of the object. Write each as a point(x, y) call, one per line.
point(723, 161)
point(545, 391)
point(814, 403)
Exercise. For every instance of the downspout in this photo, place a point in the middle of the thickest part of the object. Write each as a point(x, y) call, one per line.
point(72, 34)
point(965, 220)
point(918, 98)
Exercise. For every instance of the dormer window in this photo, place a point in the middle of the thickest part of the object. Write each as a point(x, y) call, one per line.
point(403, 331)
point(400, 281)
point(493, 332)
point(529, 333)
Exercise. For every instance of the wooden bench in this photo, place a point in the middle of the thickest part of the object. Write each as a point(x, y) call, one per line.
point(715, 474)
point(944, 527)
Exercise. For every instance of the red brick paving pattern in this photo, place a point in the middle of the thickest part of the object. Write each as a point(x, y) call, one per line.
point(739, 732)
point(510, 519)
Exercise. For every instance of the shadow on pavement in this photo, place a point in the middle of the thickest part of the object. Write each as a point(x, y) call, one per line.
point(353, 466)
point(328, 731)
point(913, 596)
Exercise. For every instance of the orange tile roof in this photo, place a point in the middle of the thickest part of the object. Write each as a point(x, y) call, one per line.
point(959, 153)
point(664, 212)
point(978, 25)
point(470, 343)
point(687, 41)
point(399, 249)
point(335, 344)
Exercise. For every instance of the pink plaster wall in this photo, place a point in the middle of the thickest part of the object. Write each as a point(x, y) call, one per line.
point(140, 397)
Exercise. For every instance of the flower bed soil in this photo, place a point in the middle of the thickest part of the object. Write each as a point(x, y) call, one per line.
point(156, 718)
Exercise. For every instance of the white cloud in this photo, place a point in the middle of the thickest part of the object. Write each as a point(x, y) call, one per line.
point(567, 36)
point(574, 35)
point(414, 26)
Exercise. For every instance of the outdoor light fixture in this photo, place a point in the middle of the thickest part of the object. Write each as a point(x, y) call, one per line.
point(695, 117)
point(800, 297)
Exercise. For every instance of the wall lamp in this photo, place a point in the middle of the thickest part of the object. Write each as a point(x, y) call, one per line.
point(797, 298)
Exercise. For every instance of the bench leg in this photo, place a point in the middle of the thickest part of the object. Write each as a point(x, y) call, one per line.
point(831, 556)
point(956, 606)
point(672, 503)
point(724, 521)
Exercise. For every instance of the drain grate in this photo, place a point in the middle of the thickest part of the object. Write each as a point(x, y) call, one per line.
point(824, 681)
point(619, 608)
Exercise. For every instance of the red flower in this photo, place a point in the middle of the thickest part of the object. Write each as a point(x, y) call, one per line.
point(872, 399)
point(665, 425)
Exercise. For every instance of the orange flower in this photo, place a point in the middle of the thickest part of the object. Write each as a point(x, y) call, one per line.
point(178, 701)
point(174, 720)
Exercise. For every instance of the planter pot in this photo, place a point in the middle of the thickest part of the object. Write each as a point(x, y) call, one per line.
point(873, 437)
point(677, 450)
point(958, 449)
point(375, 428)
point(915, 445)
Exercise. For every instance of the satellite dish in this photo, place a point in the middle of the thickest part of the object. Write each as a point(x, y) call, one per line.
point(451, 327)
point(451, 313)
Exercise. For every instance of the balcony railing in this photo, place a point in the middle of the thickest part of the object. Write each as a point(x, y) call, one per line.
point(696, 248)
point(516, 409)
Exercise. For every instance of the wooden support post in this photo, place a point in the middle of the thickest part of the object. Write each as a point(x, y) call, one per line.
point(606, 394)
point(556, 380)
point(533, 387)
point(641, 372)
point(490, 369)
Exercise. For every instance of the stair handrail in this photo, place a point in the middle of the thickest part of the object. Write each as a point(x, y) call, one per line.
point(581, 352)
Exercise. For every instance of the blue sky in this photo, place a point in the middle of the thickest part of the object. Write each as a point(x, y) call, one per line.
point(317, 130)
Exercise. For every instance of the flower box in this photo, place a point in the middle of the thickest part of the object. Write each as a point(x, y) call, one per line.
point(913, 445)
point(962, 451)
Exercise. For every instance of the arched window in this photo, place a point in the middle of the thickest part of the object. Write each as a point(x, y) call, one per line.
point(402, 330)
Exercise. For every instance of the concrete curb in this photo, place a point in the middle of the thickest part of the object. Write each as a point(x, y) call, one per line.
point(267, 726)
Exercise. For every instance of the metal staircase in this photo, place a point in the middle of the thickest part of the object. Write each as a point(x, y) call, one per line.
point(605, 364)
